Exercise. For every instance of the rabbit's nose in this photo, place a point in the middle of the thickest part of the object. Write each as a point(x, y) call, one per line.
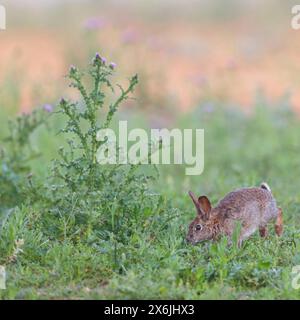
point(188, 239)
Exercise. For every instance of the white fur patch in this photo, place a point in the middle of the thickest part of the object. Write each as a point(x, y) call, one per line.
point(264, 185)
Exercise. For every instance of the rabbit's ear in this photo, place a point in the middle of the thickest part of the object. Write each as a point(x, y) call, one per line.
point(204, 205)
point(202, 214)
point(196, 203)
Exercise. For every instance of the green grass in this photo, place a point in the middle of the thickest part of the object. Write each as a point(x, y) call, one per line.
point(155, 262)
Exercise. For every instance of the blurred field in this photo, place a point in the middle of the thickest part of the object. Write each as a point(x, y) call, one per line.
point(203, 51)
point(233, 70)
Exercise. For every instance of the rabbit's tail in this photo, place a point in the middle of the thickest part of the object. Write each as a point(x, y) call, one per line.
point(265, 186)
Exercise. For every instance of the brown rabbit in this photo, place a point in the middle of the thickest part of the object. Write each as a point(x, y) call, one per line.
point(253, 207)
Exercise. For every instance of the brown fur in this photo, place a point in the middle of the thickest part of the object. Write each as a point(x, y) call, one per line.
point(253, 207)
point(279, 223)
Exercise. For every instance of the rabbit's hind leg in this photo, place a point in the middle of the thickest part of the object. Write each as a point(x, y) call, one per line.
point(263, 231)
point(279, 223)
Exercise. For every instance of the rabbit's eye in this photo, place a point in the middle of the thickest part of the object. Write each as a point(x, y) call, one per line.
point(198, 227)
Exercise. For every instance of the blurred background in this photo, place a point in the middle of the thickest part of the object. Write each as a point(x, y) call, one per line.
point(184, 52)
point(232, 68)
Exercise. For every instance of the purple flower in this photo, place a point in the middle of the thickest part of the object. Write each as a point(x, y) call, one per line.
point(200, 80)
point(62, 101)
point(72, 68)
point(231, 64)
point(98, 59)
point(94, 23)
point(48, 108)
point(129, 37)
point(208, 107)
point(112, 65)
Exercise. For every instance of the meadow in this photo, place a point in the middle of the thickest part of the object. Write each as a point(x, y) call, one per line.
point(73, 229)
point(59, 240)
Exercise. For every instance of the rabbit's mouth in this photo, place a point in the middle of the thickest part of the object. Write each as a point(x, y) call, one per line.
point(192, 241)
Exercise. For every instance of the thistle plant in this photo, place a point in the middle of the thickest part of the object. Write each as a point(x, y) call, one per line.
point(16, 154)
point(88, 198)
point(83, 123)
point(20, 150)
